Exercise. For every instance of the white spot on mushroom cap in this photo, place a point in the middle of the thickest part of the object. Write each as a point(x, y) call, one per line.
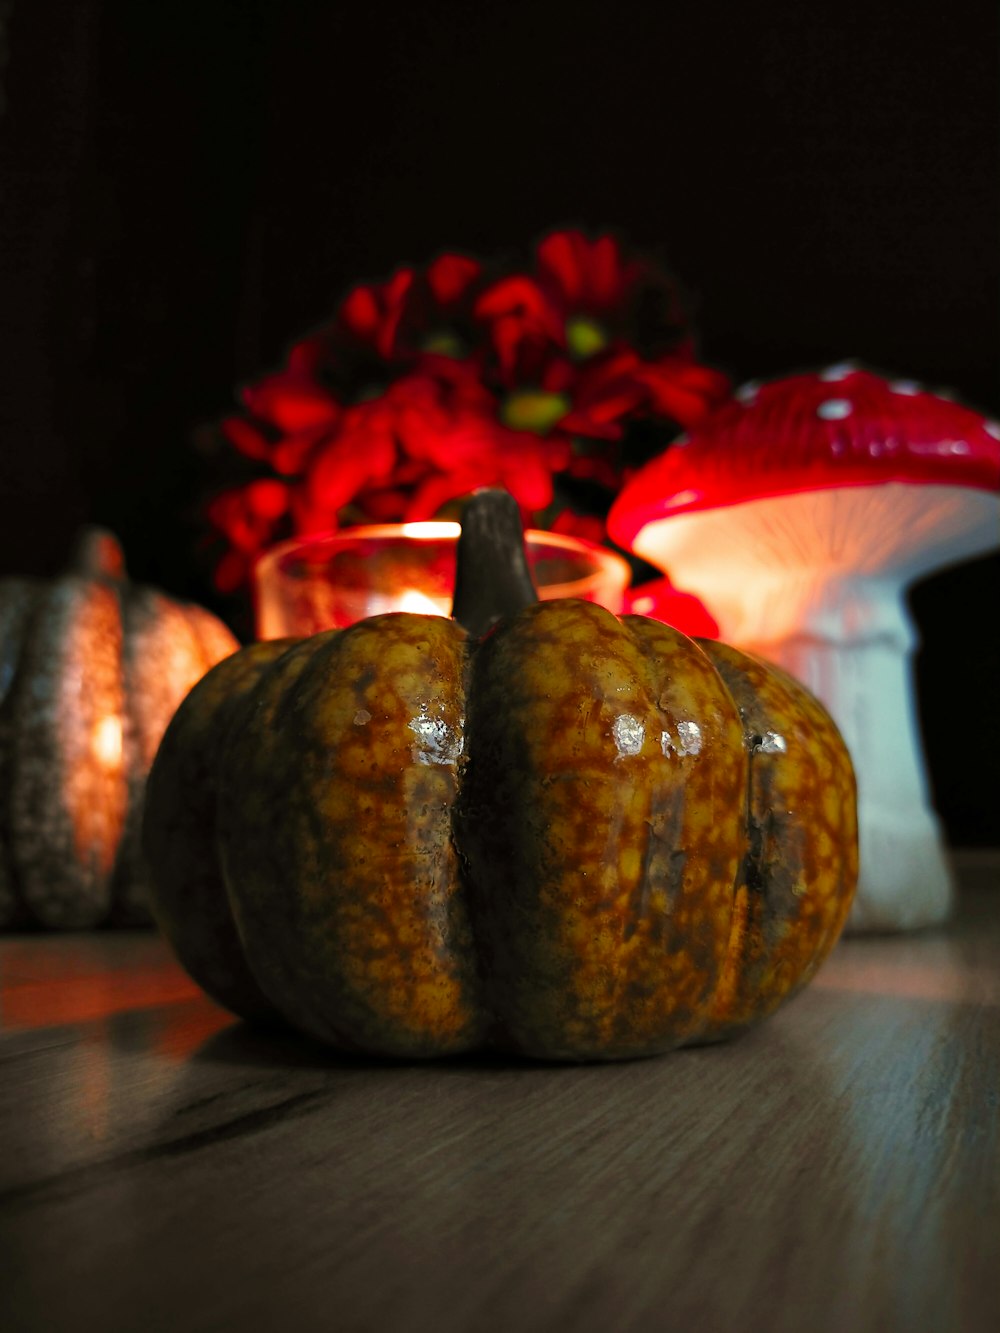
point(906, 387)
point(746, 393)
point(835, 409)
point(992, 428)
point(840, 371)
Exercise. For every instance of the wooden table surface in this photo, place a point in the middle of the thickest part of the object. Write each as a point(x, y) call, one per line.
point(164, 1167)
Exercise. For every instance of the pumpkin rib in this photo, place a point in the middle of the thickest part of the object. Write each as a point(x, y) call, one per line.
point(215, 641)
point(163, 657)
point(357, 936)
point(796, 882)
point(189, 899)
point(567, 811)
point(67, 794)
point(700, 737)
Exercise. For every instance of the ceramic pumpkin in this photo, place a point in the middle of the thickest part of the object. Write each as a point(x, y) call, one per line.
point(92, 667)
point(535, 826)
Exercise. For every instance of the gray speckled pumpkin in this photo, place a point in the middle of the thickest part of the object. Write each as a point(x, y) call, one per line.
point(92, 668)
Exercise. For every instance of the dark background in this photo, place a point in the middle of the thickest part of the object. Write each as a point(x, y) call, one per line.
point(185, 188)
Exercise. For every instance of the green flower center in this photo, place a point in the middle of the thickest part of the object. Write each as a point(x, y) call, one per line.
point(532, 409)
point(584, 337)
point(443, 342)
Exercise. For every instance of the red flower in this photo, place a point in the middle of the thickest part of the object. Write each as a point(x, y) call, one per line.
point(371, 315)
point(291, 402)
point(620, 384)
point(523, 325)
point(398, 320)
point(290, 415)
point(583, 298)
point(587, 277)
point(439, 380)
point(430, 438)
point(248, 517)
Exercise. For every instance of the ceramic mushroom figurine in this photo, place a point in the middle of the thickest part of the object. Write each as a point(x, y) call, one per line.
point(800, 513)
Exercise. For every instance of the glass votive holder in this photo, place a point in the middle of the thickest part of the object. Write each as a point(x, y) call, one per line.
point(324, 582)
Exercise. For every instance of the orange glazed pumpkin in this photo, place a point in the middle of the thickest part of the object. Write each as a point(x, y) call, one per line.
point(547, 830)
point(91, 669)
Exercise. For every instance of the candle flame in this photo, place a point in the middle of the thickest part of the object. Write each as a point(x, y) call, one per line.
point(430, 529)
point(416, 602)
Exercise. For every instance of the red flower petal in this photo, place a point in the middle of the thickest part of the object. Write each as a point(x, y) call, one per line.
point(231, 572)
point(360, 313)
point(528, 480)
point(309, 517)
point(559, 375)
point(684, 397)
point(309, 354)
point(556, 450)
point(587, 526)
point(360, 454)
point(436, 491)
point(587, 275)
point(559, 263)
point(583, 423)
point(518, 309)
point(508, 334)
point(372, 313)
point(237, 516)
point(267, 498)
point(291, 401)
point(597, 468)
point(610, 404)
point(604, 274)
point(292, 454)
point(246, 438)
point(387, 505)
point(616, 363)
point(450, 276)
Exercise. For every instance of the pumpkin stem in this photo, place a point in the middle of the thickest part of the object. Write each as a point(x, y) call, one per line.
point(492, 578)
point(97, 554)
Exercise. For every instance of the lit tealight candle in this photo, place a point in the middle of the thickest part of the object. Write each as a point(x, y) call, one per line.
point(331, 581)
point(413, 601)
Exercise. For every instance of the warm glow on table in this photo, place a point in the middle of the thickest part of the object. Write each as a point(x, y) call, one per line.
point(165, 1167)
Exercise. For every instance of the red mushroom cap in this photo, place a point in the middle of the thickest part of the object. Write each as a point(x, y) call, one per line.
point(843, 426)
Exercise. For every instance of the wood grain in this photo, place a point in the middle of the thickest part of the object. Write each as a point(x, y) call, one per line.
point(164, 1167)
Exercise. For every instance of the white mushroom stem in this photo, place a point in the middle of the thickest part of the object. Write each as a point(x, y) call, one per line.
point(867, 684)
point(817, 583)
